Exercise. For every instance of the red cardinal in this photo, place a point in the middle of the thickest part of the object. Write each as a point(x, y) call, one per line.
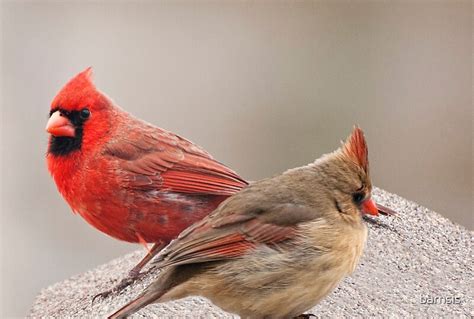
point(127, 178)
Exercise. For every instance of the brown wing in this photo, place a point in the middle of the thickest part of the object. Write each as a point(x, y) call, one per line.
point(155, 159)
point(228, 235)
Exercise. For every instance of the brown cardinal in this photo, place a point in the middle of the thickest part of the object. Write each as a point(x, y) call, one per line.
point(127, 178)
point(277, 247)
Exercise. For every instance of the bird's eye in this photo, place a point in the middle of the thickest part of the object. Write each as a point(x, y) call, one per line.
point(358, 197)
point(85, 113)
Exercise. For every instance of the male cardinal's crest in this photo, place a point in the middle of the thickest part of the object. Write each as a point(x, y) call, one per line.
point(81, 81)
point(80, 86)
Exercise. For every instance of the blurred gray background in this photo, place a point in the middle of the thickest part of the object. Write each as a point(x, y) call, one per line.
point(263, 87)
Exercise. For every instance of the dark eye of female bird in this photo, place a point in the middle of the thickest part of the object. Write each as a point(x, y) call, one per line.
point(85, 113)
point(358, 197)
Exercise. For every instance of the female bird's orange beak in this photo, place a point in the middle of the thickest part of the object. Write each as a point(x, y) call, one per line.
point(369, 207)
point(59, 125)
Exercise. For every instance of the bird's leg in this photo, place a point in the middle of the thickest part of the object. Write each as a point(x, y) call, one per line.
point(305, 316)
point(152, 253)
point(135, 273)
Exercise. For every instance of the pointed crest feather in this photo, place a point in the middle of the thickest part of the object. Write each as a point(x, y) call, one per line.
point(79, 87)
point(82, 80)
point(88, 73)
point(355, 148)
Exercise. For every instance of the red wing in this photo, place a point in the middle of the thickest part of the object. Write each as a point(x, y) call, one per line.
point(201, 175)
point(164, 161)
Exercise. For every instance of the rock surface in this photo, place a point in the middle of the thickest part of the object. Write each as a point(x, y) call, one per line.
point(409, 261)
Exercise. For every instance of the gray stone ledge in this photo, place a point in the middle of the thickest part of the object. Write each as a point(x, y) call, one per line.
point(419, 254)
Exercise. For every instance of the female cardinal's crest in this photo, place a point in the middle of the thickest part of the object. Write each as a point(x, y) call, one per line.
point(355, 148)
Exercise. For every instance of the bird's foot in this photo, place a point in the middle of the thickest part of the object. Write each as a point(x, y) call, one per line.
point(124, 283)
point(305, 316)
point(134, 274)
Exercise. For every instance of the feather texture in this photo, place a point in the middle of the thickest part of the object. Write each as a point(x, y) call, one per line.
point(229, 234)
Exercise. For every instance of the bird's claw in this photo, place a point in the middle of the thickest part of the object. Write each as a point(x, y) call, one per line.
point(102, 295)
point(134, 274)
point(121, 286)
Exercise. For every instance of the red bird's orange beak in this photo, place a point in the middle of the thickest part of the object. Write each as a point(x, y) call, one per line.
point(369, 207)
point(59, 125)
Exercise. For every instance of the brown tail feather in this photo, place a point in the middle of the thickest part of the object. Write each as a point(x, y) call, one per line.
point(152, 293)
point(168, 278)
point(147, 298)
